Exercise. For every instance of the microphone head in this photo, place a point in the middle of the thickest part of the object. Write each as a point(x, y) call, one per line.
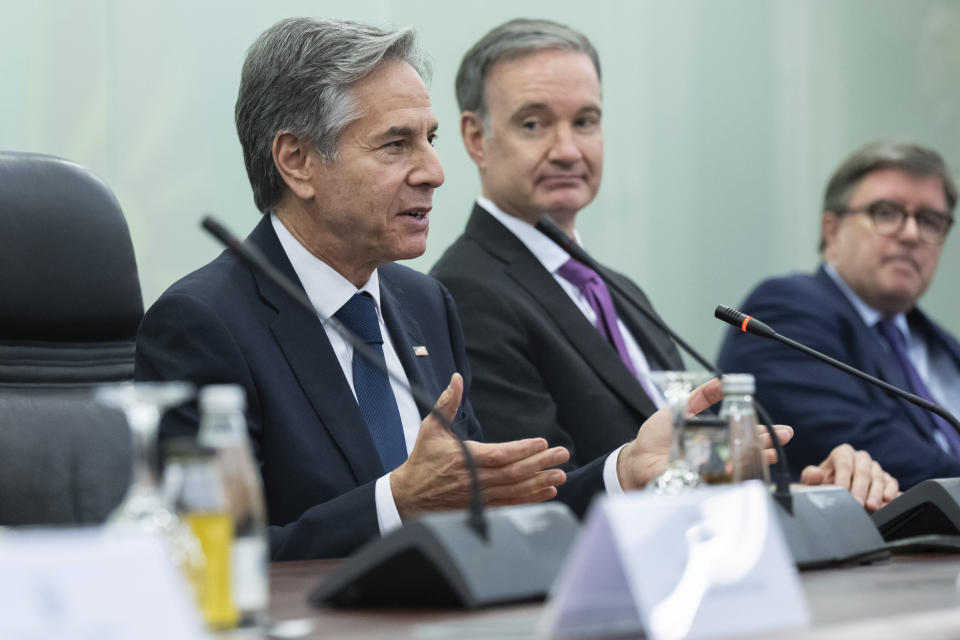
point(747, 324)
point(729, 315)
point(217, 230)
point(549, 228)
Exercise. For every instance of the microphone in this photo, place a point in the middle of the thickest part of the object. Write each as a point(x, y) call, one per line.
point(820, 530)
point(748, 324)
point(451, 568)
point(926, 517)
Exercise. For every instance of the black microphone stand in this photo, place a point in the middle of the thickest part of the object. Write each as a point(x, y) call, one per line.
point(926, 517)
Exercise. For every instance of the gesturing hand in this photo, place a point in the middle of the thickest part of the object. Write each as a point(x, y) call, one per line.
point(646, 456)
point(435, 477)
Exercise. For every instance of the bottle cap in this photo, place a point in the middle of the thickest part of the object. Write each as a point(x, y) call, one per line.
point(222, 397)
point(185, 447)
point(706, 422)
point(738, 383)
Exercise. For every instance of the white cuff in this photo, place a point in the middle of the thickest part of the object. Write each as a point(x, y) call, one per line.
point(611, 483)
point(387, 515)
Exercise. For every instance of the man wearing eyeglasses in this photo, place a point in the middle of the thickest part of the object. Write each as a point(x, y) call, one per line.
point(886, 214)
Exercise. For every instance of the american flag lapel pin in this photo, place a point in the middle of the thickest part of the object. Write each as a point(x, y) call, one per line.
point(420, 351)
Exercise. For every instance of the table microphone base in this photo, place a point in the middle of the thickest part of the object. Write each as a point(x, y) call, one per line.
point(437, 560)
point(926, 516)
point(828, 528)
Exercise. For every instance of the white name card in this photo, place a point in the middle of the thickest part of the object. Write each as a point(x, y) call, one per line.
point(92, 583)
point(706, 563)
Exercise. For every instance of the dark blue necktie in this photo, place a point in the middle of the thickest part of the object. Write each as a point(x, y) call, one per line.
point(898, 345)
point(372, 386)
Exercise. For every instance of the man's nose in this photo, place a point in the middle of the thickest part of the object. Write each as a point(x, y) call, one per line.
point(910, 231)
point(429, 171)
point(564, 148)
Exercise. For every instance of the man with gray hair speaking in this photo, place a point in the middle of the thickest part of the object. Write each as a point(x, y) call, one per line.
point(555, 354)
point(886, 214)
point(336, 128)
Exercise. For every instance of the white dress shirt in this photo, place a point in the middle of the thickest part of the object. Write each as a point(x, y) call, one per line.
point(552, 258)
point(328, 291)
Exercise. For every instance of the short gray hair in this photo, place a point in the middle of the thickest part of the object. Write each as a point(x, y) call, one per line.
point(511, 40)
point(908, 157)
point(298, 77)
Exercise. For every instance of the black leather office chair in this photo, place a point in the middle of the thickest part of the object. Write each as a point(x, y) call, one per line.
point(70, 305)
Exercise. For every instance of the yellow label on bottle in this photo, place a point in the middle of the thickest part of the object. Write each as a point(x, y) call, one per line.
point(215, 533)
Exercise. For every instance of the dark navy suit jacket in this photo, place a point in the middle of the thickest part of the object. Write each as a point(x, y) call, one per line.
point(826, 406)
point(226, 324)
point(540, 368)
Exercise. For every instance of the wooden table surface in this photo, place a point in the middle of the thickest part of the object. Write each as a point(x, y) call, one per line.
point(906, 597)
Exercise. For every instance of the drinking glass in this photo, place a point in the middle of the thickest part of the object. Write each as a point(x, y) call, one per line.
point(143, 403)
point(676, 387)
point(143, 509)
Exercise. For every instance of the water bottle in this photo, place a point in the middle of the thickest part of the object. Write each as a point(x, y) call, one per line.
point(706, 447)
point(193, 486)
point(746, 455)
point(223, 427)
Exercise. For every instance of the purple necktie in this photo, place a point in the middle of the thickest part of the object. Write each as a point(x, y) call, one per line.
point(898, 345)
point(595, 291)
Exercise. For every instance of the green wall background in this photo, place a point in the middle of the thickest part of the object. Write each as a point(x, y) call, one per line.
point(723, 120)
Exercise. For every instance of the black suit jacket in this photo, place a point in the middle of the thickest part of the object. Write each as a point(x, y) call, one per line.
point(540, 368)
point(226, 324)
point(828, 407)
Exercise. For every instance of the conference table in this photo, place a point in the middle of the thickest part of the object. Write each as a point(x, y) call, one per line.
point(908, 596)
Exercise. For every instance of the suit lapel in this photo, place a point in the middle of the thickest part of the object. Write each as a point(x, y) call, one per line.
point(304, 343)
point(405, 333)
point(878, 360)
point(657, 346)
point(934, 333)
point(936, 338)
point(523, 267)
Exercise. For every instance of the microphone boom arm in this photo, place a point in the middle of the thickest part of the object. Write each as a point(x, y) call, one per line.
point(748, 324)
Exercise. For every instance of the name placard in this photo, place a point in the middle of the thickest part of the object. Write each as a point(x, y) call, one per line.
point(92, 583)
point(704, 563)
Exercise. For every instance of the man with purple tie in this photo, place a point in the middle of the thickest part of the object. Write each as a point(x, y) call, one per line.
point(555, 354)
point(886, 214)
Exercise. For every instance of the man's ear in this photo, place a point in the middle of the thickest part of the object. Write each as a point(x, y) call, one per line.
point(829, 223)
point(295, 161)
point(471, 130)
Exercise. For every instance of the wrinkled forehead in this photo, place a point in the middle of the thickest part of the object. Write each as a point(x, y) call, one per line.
point(916, 188)
point(550, 75)
point(527, 61)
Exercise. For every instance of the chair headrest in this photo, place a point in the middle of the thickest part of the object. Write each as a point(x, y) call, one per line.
point(66, 259)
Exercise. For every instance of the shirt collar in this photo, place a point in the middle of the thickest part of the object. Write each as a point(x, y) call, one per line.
point(543, 248)
point(326, 288)
point(868, 314)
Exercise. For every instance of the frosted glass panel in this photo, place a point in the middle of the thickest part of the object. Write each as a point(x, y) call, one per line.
point(723, 121)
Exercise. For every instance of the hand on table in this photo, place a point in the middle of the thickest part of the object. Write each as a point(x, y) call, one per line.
point(856, 471)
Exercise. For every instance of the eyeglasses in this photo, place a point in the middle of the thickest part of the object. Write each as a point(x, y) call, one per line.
point(890, 216)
